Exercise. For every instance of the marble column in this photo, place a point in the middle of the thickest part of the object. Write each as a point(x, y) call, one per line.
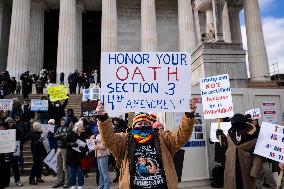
point(187, 40)
point(197, 26)
point(2, 64)
point(226, 24)
point(18, 52)
point(235, 25)
point(257, 55)
point(37, 36)
point(148, 26)
point(79, 38)
point(66, 52)
point(109, 26)
point(4, 34)
point(218, 6)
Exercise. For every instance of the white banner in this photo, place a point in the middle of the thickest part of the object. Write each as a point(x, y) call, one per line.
point(146, 81)
point(270, 142)
point(37, 105)
point(90, 144)
point(51, 160)
point(7, 141)
point(6, 104)
point(216, 97)
point(255, 113)
point(224, 126)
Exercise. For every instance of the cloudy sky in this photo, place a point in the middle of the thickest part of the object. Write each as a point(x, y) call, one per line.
point(272, 12)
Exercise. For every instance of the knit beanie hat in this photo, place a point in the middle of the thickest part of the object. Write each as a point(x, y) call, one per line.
point(51, 121)
point(157, 124)
point(153, 117)
point(37, 127)
point(9, 119)
point(142, 116)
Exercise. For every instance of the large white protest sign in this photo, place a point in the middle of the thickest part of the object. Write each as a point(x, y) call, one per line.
point(39, 105)
point(224, 126)
point(146, 81)
point(270, 142)
point(7, 141)
point(216, 97)
point(6, 104)
point(255, 113)
point(51, 160)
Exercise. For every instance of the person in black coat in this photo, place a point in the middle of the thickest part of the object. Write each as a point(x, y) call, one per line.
point(70, 114)
point(74, 157)
point(38, 152)
point(4, 166)
point(56, 110)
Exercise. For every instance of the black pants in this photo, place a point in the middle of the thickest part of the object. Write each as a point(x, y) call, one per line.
point(5, 169)
point(36, 170)
point(14, 163)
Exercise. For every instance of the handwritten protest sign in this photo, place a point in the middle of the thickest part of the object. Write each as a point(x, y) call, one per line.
point(39, 105)
point(6, 104)
point(224, 126)
point(90, 144)
point(270, 142)
point(145, 81)
point(58, 92)
point(7, 141)
point(89, 108)
point(80, 144)
point(216, 97)
point(51, 160)
point(91, 94)
point(255, 113)
point(17, 150)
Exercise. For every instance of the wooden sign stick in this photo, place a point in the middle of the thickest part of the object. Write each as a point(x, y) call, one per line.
point(219, 137)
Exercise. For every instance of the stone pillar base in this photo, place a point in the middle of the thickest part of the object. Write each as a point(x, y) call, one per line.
point(220, 58)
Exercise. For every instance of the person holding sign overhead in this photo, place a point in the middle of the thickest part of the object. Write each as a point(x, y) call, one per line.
point(145, 155)
point(242, 167)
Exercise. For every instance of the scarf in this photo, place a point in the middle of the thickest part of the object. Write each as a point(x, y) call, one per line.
point(143, 134)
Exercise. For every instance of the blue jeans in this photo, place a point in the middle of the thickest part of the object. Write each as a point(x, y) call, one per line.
point(104, 182)
point(73, 171)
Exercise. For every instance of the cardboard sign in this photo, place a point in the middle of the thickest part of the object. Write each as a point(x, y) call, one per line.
point(216, 97)
point(146, 81)
point(7, 141)
point(39, 105)
point(51, 160)
point(6, 104)
point(91, 94)
point(224, 126)
point(89, 108)
point(255, 113)
point(90, 144)
point(58, 92)
point(270, 142)
point(269, 112)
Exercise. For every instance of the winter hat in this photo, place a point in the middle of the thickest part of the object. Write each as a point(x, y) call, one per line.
point(238, 118)
point(66, 120)
point(37, 127)
point(154, 117)
point(142, 116)
point(9, 119)
point(77, 125)
point(51, 121)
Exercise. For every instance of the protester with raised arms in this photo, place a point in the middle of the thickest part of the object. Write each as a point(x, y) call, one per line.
point(144, 155)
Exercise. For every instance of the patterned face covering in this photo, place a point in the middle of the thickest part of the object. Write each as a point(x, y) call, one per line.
point(143, 134)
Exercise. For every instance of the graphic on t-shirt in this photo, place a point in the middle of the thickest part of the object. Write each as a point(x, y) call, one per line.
point(148, 170)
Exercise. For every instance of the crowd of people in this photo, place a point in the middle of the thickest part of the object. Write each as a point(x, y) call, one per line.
point(76, 81)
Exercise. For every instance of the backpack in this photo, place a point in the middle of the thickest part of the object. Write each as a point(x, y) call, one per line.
point(217, 178)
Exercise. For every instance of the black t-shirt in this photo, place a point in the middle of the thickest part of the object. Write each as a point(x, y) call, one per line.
point(149, 171)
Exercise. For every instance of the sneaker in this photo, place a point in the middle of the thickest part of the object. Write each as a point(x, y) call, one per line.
point(19, 183)
point(33, 182)
point(57, 185)
point(66, 185)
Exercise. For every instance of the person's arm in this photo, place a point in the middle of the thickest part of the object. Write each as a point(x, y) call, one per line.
point(65, 103)
point(115, 142)
point(176, 139)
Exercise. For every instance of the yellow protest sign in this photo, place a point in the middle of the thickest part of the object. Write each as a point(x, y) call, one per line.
point(58, 92)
